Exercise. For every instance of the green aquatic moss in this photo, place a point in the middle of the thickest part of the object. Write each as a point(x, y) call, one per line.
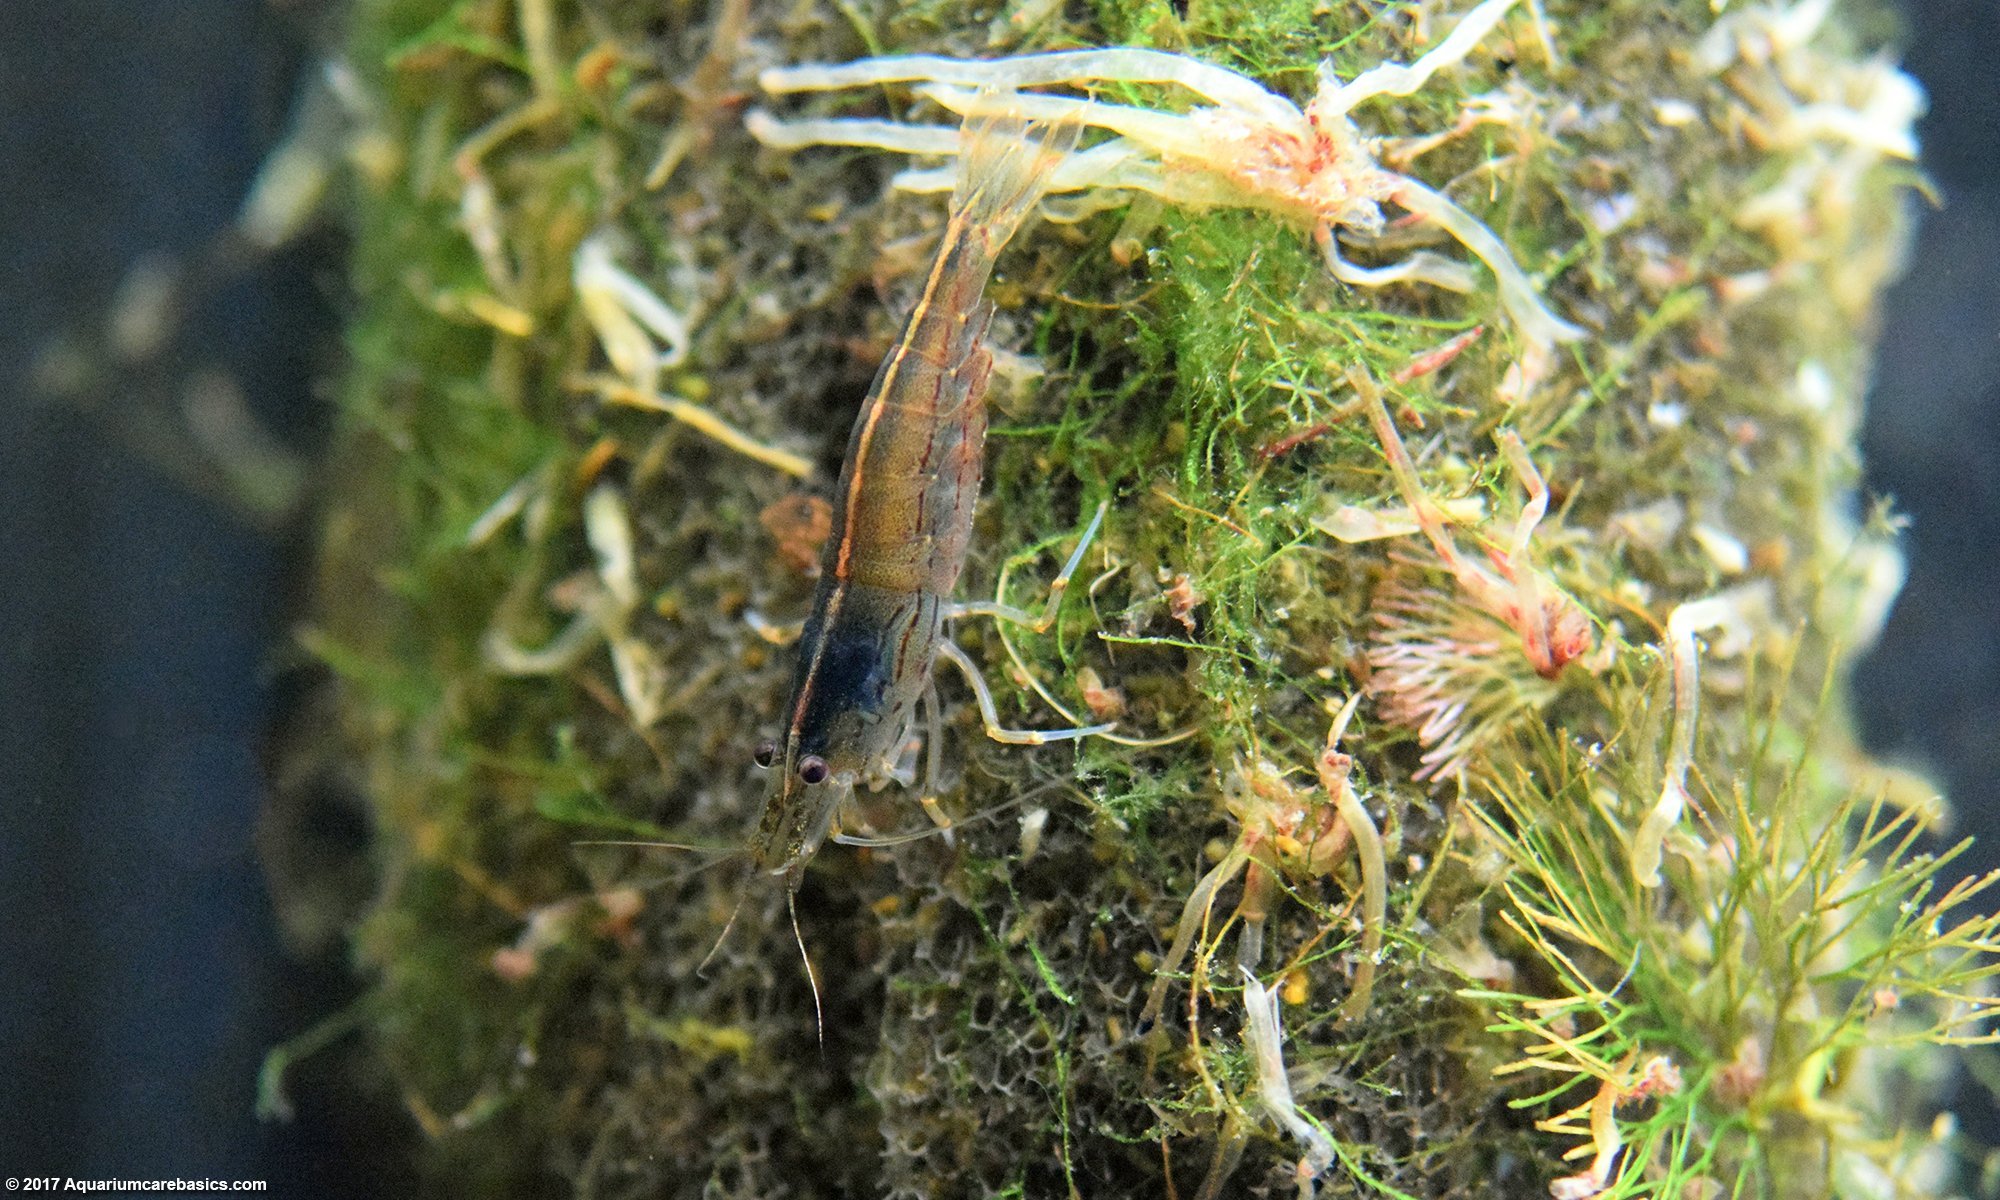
point(565, 1016)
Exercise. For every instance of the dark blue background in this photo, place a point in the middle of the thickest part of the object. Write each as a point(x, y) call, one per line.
point(141, 979)
point(140, 975)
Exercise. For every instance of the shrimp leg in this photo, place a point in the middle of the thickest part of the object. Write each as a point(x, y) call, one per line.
point(1045, 620)
point(990, 715)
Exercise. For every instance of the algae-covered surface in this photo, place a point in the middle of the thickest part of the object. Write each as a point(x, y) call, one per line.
point(569, 532)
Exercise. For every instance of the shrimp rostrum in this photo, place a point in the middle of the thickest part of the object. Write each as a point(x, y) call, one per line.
point(1245, 147)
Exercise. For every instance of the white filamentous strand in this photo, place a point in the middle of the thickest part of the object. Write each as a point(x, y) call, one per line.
point(1695, 616)
point(1247, 147)
point(1517, 295)
point(1115, 65)
point(851, 131)
point(1396, 79)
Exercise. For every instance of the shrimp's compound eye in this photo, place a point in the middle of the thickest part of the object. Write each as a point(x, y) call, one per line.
point(765, 754)
point(812, 769)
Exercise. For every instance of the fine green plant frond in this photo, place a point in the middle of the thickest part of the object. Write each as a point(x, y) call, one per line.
point(1806, 931)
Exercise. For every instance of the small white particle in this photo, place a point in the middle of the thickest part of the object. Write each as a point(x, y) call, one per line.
point(1724, 549)
point(1609, 212)
point(1675, 113)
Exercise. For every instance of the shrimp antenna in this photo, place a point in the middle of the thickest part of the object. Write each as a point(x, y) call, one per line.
point(721, 850)
point(719, 855)
point(701, 968)
point(917, 835)
point(812, 977)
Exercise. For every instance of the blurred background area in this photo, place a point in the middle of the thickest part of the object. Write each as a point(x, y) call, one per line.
point(144, 610)
point(144, 606)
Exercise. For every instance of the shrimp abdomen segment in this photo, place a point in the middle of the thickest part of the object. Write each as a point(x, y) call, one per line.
point(913, 465)
point(911, 477)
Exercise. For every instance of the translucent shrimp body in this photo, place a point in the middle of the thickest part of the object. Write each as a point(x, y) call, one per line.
point(903, 513)
point(1246, 147)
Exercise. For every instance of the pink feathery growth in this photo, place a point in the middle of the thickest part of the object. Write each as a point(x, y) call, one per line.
point(1448, 663)
point(1553, 629)
point(1443, 669)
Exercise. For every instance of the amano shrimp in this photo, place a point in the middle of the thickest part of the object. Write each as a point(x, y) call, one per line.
point(903, 518)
